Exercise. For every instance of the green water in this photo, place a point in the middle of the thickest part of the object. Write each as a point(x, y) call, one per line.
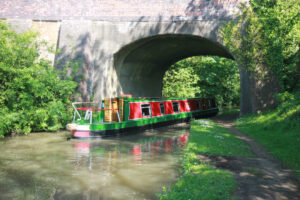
point(48, 166)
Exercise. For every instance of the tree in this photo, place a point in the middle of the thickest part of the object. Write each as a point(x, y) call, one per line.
point(180, 82)
point(266, 38)
point(206, 77)
point(33, 98)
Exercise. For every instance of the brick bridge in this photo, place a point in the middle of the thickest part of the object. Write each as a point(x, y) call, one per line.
point(125, 46)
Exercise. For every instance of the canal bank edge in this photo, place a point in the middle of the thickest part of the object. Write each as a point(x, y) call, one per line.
point(200, 178)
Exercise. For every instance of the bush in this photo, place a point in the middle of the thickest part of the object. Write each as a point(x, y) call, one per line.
point(33, 97)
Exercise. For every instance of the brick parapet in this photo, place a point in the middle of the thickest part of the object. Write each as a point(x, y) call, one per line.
point(120, 10)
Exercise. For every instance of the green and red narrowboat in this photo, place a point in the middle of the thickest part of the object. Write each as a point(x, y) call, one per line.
point(113, 116)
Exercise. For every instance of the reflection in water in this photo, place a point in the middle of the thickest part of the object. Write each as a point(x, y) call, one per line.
point(141, 151)
point(46, 166)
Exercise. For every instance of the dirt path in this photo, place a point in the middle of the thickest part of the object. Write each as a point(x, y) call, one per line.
point(260, 177)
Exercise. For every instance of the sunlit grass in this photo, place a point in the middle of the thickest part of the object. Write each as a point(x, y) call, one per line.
point(229, 110)
point(200, 180)
point(277, 130)
point(204, 182)
point(212, 139)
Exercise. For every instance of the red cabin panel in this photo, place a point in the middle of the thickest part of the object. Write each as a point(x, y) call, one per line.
point(201, 104)
point(135, 111)
point(155, 108)
point(193, 105)
point(185, 106)
point(213, 103)
point(168, 107)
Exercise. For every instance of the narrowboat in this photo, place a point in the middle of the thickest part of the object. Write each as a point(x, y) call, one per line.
point(124, 114)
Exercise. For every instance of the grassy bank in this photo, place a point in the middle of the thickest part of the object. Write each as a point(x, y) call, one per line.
point(278, 131)
point(229, 111)
point(200, 180)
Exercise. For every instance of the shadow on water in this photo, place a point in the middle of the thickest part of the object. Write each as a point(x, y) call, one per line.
point(47, 166)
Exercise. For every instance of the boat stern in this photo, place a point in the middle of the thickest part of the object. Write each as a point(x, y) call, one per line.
point(79, 131)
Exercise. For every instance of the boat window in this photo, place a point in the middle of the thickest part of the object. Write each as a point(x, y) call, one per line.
point(176, 107)
point(209, 104)
point(198, 105)
point(146, 110)
point(162, 108)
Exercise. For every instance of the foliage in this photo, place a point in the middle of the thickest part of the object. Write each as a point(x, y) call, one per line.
point(205, 77)
point(266, 38)
point(33, 98)
point(180, 82)
point(278, 130)
point(199, 179)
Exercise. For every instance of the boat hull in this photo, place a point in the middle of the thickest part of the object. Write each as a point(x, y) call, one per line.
point(84, 132)
point(122, 131)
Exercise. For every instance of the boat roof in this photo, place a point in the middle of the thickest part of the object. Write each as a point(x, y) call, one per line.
point(146, 99)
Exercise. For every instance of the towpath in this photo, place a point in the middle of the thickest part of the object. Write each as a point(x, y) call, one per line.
point(259, 177)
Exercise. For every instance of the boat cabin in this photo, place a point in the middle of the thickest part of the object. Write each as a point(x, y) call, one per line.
point(119, 109)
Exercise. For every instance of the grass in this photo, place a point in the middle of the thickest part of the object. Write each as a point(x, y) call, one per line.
point(211, 139)
point(229, 110)
point(199, 179)
point(278, 131)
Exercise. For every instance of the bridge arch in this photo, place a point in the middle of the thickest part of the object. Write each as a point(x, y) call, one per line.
point(107, 37)
point(141, 65)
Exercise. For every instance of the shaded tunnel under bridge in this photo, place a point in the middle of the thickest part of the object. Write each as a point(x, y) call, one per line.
point(141, 65)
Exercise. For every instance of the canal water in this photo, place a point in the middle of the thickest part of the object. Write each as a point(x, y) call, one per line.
point(50, 166)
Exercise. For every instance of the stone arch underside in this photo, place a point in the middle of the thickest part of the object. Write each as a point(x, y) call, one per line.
point(141, 65)
point(132, 57)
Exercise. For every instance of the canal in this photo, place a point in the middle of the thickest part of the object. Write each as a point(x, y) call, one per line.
point(50, 166)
